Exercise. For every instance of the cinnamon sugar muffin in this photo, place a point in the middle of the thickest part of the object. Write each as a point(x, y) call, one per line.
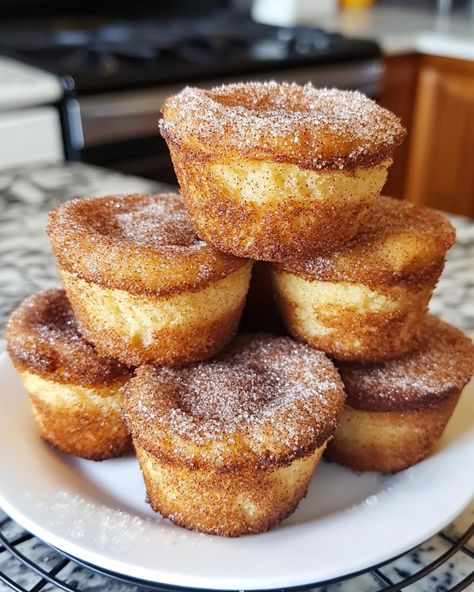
point(75, 393)
point(397, 410)
point(276, 171)
point(368, 300)
point(142, 285)
point(229, 446)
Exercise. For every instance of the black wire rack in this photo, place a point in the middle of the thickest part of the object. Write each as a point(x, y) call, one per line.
point(444, 563)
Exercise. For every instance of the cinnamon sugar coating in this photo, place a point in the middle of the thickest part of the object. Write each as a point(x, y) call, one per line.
point(271, 211)
point(278, 171)
point(312, 128)
point(398, 242)
point(345, 329)
point(389, 440)
point(208, 323)
point(263, 402)
point(240, 502)
point(77, 420)
point(43, 338)
point(437, 370)
point(144, 244)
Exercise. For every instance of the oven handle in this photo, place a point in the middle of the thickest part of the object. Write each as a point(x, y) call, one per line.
point(123, 116)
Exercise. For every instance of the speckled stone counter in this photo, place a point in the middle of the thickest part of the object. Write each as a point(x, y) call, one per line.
point(26, 265)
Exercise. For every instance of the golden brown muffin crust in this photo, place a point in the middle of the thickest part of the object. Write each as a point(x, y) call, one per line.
point(264, 401)
point(291, 228)
point(398, 243)
point(218, 503)
point(43, 338)
point(175, 345)
point(88, 433)
point(144, 244)
point(389, 440)
point(442, 365)
point(381, 336)
point(312, 128)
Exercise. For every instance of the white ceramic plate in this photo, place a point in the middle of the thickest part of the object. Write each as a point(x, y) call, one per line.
point(348, 522)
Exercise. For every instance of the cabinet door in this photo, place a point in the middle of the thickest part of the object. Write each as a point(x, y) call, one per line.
point(398, 95)
point(441, 166)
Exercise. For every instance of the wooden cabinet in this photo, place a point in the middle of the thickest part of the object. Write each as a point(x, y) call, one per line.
point(434, 97)
point(440, 169)
point(398, 95)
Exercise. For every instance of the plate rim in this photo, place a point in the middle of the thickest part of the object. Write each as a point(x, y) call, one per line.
point(23, 522)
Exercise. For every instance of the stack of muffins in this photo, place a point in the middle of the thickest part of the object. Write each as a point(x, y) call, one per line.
point(141, 344)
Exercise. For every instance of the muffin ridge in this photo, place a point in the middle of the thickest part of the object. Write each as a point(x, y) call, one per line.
point(313, 128)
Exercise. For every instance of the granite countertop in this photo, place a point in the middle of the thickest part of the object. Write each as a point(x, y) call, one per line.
point(26, 265)
point(406, 30)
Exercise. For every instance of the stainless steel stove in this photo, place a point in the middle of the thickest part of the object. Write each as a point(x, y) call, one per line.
point(117, 72)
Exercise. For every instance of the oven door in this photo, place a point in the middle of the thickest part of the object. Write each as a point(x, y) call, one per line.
point(121, 129)
point(30, 135)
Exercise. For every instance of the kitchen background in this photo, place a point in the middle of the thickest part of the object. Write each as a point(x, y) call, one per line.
point(84, 80)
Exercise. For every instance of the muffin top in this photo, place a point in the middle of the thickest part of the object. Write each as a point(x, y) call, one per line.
point(142, 220)
point(43, 338)
point(145, 244)
point(263, 401)
point(398, 242)
point(442, 365)
point(313, 128)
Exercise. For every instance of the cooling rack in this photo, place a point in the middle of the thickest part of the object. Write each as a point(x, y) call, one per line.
point(444, 563)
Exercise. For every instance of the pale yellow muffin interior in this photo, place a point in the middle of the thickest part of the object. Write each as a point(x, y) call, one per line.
point(85, 421)
point(269, 182)
point(388, 440)
point(319, 309)
point(232, 503)
point(138, 319)
point(106, 398)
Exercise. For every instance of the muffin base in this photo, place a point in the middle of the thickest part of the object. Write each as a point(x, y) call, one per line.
point(84, 421)
point(231, 503)
point(351, 321)
point(169, 329)
point(388, 440)
point(270, 210)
